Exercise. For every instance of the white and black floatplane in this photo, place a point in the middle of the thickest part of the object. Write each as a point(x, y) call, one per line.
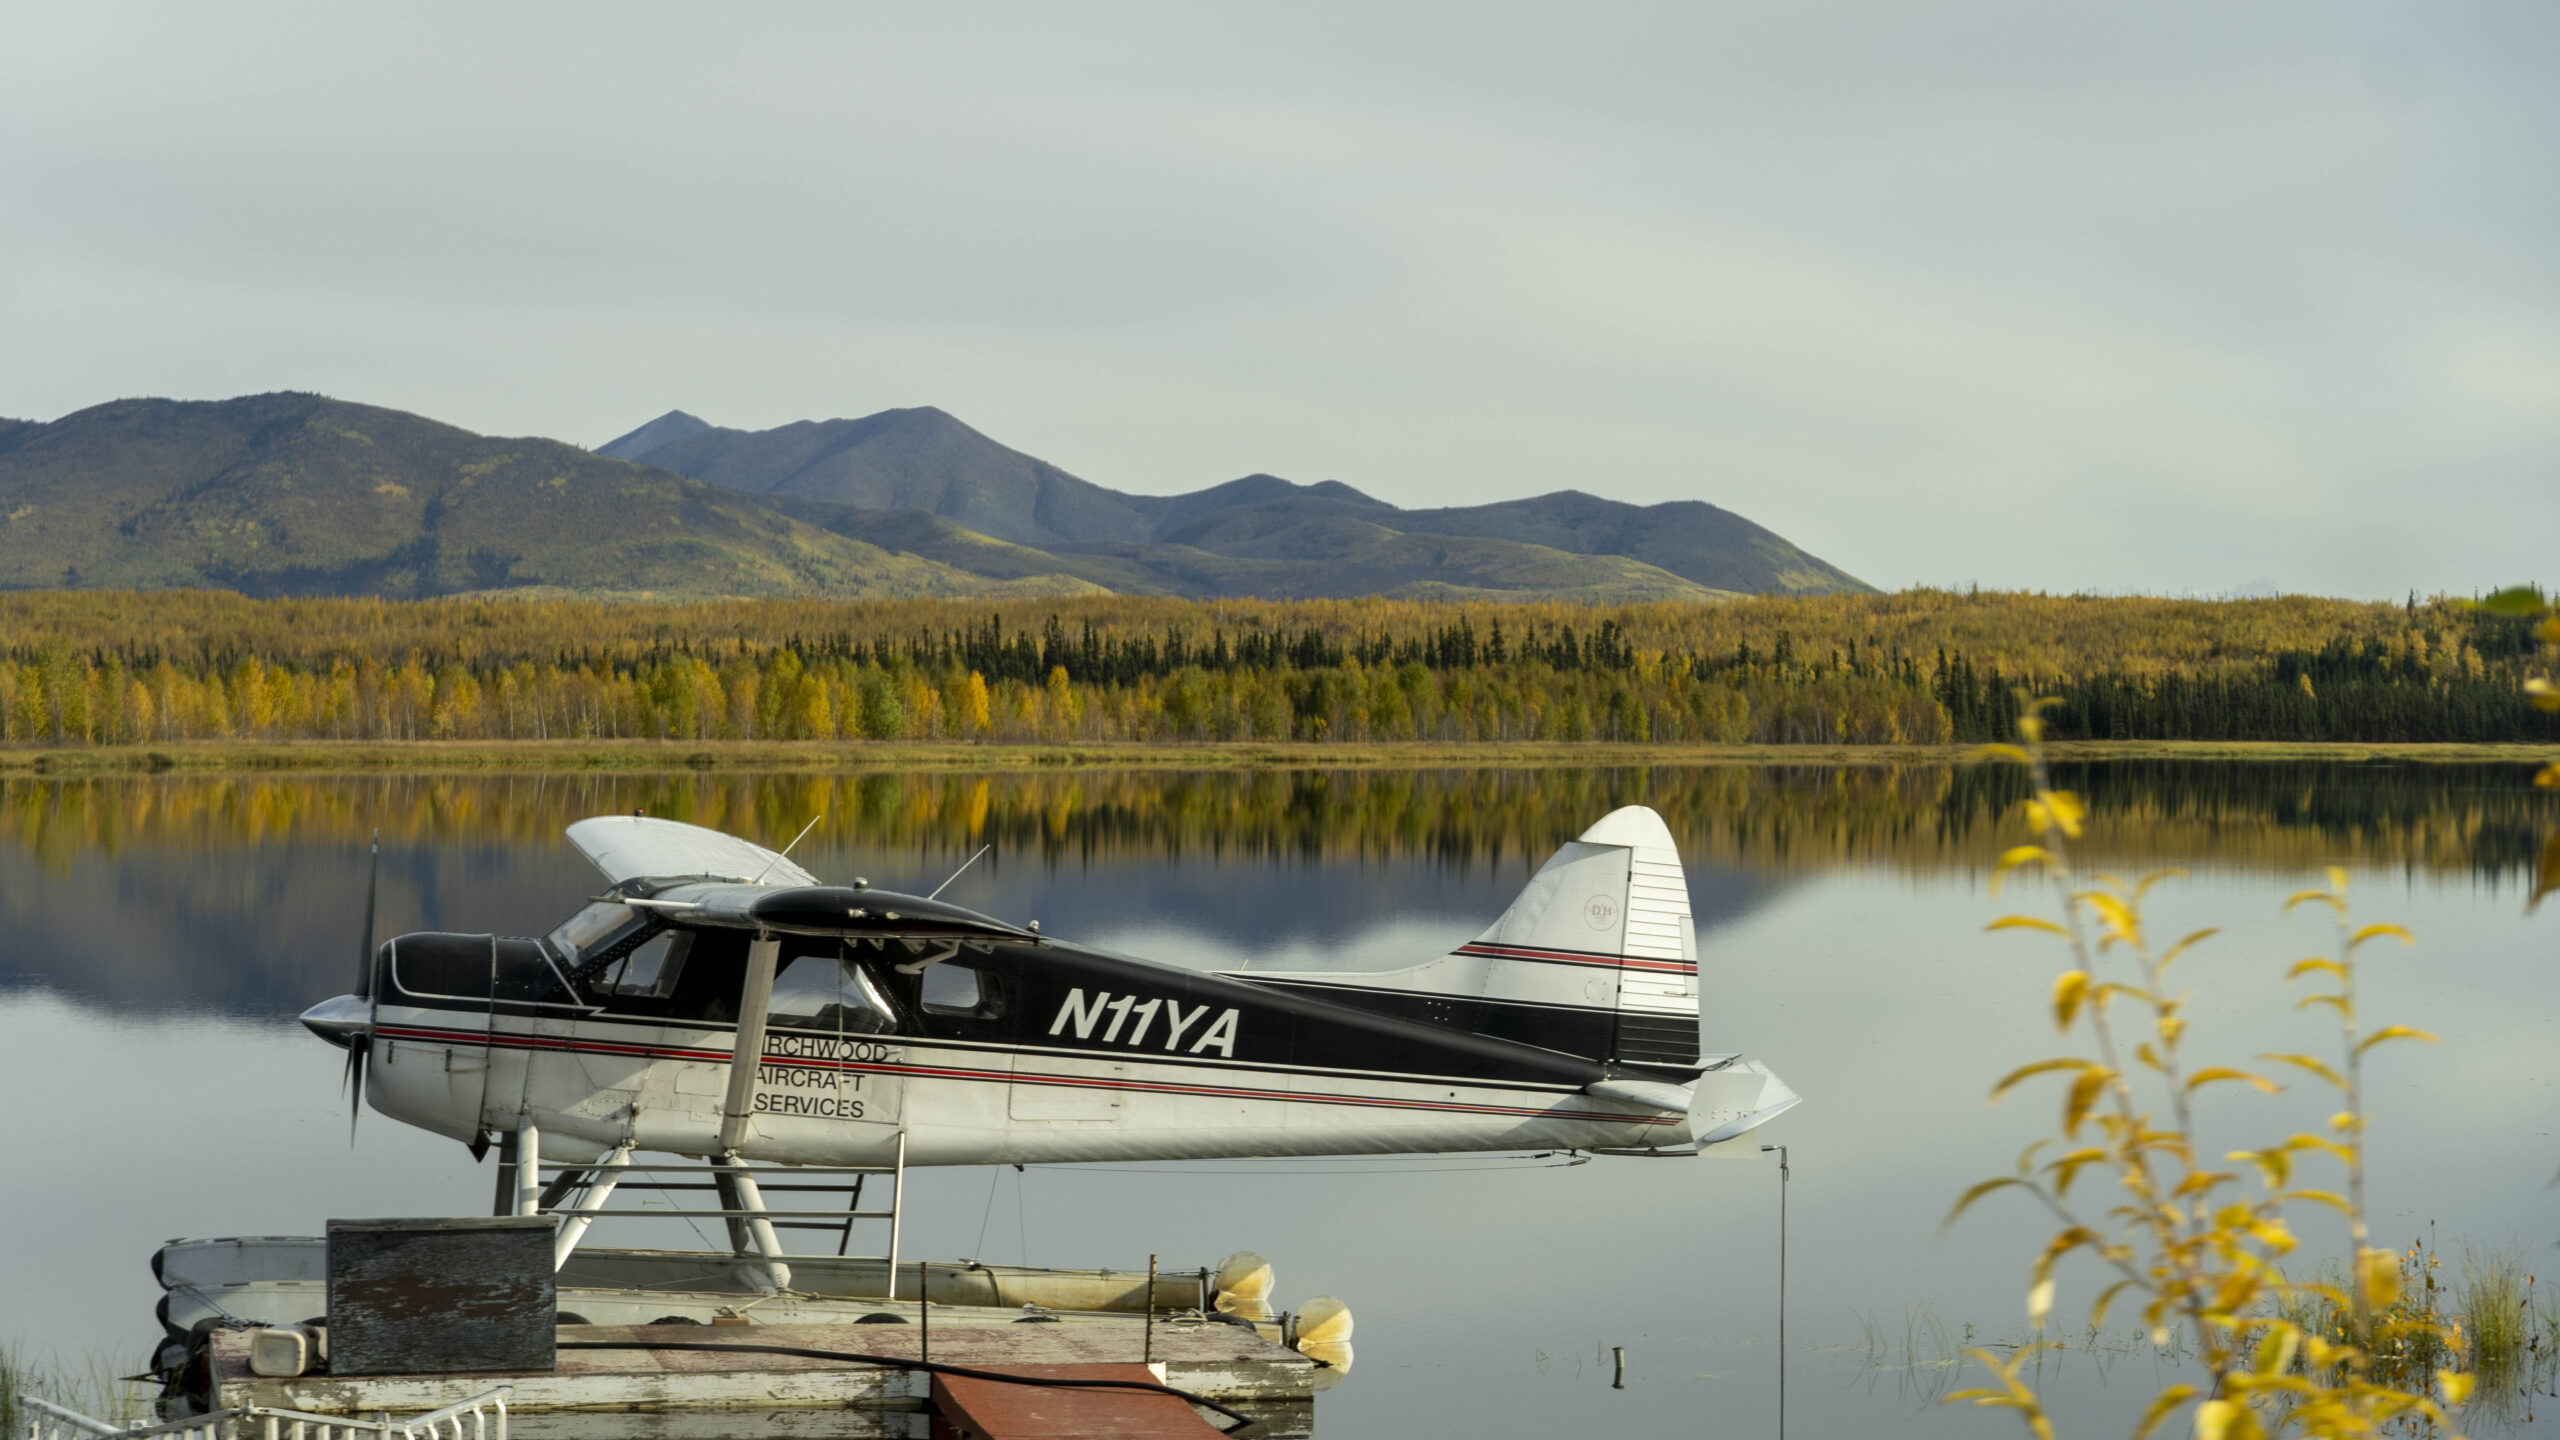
point(721, 1004)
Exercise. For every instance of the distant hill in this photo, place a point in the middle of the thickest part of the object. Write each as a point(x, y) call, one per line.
point(295, 494)
point(292, 494)
point(920, 459)
point(1260, 535)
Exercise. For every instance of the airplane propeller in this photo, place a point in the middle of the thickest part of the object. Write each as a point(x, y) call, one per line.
point(360, 1045)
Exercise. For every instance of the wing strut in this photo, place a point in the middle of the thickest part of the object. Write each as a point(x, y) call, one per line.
point(755, 1003)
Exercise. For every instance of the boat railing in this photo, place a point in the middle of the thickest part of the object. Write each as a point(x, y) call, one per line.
point(482, 1417)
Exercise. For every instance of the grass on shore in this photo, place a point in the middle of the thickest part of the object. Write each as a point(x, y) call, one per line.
point(90, 1384)
point(325, 756)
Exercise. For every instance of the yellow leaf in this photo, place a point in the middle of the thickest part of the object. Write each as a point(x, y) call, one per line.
point(2316, 966)
point(2305, 1062)
point(2277, 1164)
point(1976, 1193)
point(2121, 922)
point(2161, 1404)
point(2015, 856)
point(2546, 696)
point(2040, 1288)
point(2213, 1073)
point(2376, 932)
point(2549, 630)
point(2067, 1169)
point(2182, 946)
point(2066, 810)
point(2027, 1071)
point(2301, 897)
point(2320, 1197)
point(2347, 1121)
point(2216, 1419)
point(2026, 922)
point(2276, 1350)
point(2549, 776)
point(2199, 1180)
point(2455, 1384)
point(2337, 881)
point(2085, 1090)
point(2068, 989)
point(2393, 1032)
point(2171, 1027)
point(2003, 752)
point(2548, 879)
point(2040, 1301)
point(2380, 1275)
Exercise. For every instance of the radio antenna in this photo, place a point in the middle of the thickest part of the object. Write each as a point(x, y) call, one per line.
point(964, 867)
point(787, 849)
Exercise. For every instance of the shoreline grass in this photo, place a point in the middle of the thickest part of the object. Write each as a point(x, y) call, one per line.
point(640, 756)
point(90, 1384)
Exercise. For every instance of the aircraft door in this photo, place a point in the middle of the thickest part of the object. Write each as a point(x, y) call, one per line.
point(829, 1084)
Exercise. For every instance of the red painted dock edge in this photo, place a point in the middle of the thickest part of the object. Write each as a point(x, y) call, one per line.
point(966, 1409)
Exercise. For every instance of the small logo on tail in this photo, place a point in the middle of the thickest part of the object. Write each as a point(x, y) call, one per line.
point(1602, 912)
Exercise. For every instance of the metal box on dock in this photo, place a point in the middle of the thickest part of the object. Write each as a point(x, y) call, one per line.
point(439, 1296)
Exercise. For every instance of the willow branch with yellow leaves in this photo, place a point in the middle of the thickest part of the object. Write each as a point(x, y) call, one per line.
point(2201, 1247)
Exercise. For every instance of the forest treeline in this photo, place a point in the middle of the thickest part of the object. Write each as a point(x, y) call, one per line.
point(1917, 667)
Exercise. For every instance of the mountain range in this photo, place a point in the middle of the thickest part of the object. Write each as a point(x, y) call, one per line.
point(300, 494)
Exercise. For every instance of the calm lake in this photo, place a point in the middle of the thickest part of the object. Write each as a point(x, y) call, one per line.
point(158, 935)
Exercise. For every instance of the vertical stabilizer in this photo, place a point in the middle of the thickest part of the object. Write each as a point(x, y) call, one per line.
point(1595, 957)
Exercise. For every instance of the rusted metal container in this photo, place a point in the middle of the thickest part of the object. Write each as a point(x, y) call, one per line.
point(442, 1296)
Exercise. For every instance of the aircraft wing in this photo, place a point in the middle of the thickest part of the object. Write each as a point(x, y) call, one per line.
point(832, 910)
point(634, 847)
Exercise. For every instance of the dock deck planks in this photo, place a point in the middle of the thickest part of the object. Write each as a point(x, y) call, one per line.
point(973, 1409)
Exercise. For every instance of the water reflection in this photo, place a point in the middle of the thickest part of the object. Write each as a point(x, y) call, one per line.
point(2484, 818)
point(237, 895)
point(1843, 908)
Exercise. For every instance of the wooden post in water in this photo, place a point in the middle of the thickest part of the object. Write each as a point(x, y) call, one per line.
point(1782, 1285)
point(1149, 1353)
point(924, 1314)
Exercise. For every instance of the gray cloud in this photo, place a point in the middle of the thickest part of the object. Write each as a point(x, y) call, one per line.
point(2107, 297)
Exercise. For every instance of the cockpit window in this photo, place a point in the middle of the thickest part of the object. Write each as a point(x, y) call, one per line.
point(830, 992)
point(590, 928)
point(479, 969)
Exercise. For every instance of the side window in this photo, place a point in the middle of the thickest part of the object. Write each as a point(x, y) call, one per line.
point(649, 972)
point(951, 988)
point(829, 992)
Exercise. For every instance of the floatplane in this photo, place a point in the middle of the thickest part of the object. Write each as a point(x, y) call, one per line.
point(719, 1002)
point(719, 1005)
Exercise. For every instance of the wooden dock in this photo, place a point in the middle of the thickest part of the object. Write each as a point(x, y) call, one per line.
point(631, 1380)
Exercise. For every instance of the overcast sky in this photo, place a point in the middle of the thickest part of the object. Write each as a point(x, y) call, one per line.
point(2127, 297)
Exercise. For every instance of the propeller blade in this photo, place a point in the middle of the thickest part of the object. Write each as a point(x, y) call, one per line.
point(372, 889)
point(359, 1047)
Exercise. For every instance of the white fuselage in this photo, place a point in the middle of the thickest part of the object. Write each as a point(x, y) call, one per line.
point(593, 1083)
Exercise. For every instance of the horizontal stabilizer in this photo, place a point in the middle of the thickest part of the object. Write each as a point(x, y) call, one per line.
point(1737, 1100)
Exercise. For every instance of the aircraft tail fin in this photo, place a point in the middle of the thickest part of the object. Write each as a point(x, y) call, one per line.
point(1595, 957)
